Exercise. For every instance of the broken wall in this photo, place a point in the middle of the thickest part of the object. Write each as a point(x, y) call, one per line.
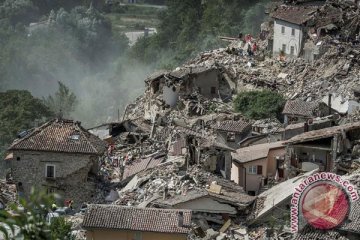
point(207, 82)
point(272, 161)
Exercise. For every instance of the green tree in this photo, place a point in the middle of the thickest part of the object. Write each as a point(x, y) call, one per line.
point(19, 110)
point(259, 104)
point(29, 219)
point(63, 102)
point(61, 229)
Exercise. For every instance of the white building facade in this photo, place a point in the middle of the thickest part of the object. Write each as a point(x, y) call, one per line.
point(288, 38)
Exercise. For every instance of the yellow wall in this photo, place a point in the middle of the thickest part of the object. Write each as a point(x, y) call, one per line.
point(253, 180)
point(130, 235)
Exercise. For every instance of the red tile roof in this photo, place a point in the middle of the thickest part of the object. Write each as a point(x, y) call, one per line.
point(60, 135)
point(136, 219)
point(231, 126)
point(294, 14)
point(300, 108)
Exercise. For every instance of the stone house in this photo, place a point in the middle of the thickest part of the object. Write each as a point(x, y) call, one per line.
point(296, 111)
point(324, 148)
point(254, 166)
point(113, 222)
point(231, 132)
point(290, 29)
point(59, 157)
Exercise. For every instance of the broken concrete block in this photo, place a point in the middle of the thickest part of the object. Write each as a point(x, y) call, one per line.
point(214, 188)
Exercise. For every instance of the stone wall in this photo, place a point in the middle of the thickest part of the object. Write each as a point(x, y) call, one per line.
point(71, 173)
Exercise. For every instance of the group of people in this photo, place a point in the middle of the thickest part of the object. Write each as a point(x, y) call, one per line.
point(247, 45)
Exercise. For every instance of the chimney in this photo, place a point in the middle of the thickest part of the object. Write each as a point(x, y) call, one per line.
point(329, 103)
point(181, 219)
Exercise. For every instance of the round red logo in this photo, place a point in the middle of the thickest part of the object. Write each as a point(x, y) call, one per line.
point(325, 205)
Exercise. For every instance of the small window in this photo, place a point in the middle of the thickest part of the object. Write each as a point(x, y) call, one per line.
point(17, 158)
point(292, 32)
point(213, 90)
point(75, 136)
point(283, 30)
point(284, 48)
point(50, 171)
point(292, 50)
point(252, 170)
point(259, 170)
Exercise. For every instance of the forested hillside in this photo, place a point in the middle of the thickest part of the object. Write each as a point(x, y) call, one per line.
point(188, 27)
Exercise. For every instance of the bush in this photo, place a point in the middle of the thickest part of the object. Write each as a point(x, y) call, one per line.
point(259, 104)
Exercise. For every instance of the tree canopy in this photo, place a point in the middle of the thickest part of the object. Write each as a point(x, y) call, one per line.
point(63, 102)
point(19, 110)
point(191, 26)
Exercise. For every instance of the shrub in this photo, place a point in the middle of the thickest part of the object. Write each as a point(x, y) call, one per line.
point(259, 104)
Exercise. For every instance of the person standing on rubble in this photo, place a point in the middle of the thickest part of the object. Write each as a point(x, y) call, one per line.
point(254, 47)
point(249, 51)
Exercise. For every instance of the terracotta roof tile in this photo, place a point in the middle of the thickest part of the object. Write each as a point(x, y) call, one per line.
point(294, 14)
point(60, 136)
point(137, 219)
point(300, 108)
point(231, 126)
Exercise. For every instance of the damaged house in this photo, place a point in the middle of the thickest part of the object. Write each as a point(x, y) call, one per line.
point(231, 132)
point(196, 147)
point(165, 89)
point(296, 111)
point(327, 149)
point(254, 166)
point(60, 157)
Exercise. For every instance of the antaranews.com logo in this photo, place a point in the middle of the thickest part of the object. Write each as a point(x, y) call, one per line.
point(322, 200)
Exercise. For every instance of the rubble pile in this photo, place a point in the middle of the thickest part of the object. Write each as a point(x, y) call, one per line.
point(7, 193)
point(169, 180)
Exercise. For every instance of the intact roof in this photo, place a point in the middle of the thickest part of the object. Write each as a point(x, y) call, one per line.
point(231, 126)
point(60, 135)
point(323, 133)
point(255, 152)
point(300, 108)
point(142, 164)
point(294, 14)
point(136, 219)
